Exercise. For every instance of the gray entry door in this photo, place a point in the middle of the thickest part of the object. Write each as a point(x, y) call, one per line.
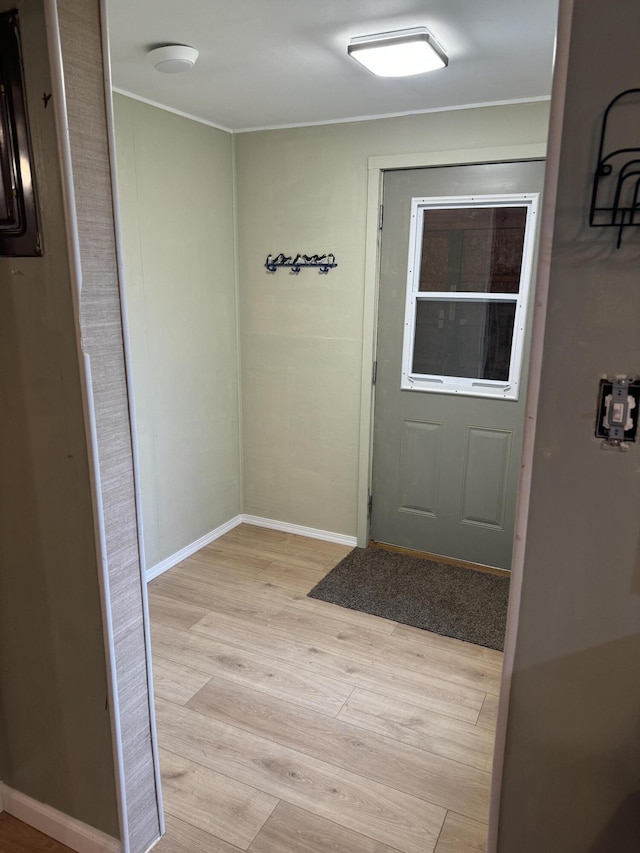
point(446, 461)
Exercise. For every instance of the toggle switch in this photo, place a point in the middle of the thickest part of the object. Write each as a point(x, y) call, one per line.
point(617, 416)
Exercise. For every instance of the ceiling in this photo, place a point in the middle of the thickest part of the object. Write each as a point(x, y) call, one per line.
point(273, 63)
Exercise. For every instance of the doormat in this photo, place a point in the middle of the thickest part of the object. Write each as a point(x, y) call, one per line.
point(456, 602)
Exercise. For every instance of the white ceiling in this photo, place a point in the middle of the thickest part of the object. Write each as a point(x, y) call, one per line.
point(272, 63)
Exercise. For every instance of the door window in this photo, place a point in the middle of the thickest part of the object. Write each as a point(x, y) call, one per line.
point(469, 271)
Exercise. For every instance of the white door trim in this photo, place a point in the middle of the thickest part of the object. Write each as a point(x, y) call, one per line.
point(135, 453)
point(56, 66)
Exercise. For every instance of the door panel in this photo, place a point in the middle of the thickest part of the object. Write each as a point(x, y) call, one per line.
point(445, 466)
point(484, 490)
point(419, 484)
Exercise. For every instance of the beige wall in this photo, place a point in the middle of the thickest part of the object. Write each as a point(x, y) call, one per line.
point(571, 777)
point(305, 190)
point(175, 181)
point(55, 736)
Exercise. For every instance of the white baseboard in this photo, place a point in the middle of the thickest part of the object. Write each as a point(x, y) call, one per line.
point(299, 530)
point(63, 828)
point(187, 551)
point(257, 521)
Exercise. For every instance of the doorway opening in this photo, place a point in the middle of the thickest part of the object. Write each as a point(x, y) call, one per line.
point(249, 674)
point(282, 780)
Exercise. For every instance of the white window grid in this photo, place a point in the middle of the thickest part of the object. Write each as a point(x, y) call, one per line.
point(468, 386)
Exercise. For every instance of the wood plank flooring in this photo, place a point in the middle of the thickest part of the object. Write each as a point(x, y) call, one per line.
point(288, 725)
point(18, 837)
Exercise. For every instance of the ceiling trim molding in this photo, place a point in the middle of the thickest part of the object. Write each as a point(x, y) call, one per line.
point(167, 109)
point(158, 105)
point(534, 100)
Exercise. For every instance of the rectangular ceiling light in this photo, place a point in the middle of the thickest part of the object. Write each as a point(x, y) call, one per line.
point(400, 53)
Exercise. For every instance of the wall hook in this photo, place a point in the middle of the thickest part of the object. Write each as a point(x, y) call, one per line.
point(294, 263)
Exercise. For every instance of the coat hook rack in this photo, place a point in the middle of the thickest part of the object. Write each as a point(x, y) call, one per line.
point(294, 263)
point(615, 199)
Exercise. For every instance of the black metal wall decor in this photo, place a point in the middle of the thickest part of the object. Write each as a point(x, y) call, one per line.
point(294, 263)
point(615, 199)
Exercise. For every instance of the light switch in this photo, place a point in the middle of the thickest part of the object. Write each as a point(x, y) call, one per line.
point(617, 415)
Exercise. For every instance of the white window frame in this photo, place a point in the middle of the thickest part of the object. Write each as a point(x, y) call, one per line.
point(467, 386)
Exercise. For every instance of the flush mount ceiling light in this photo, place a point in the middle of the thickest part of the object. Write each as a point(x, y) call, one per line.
point(173, 58)
point(400, 53)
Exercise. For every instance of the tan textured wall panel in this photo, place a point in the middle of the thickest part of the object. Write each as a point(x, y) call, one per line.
point(175, 181)
point(102, 335)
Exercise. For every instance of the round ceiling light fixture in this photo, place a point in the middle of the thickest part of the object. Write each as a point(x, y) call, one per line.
point(173, 58)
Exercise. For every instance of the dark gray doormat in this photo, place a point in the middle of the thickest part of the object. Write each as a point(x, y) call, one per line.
point(455, 602)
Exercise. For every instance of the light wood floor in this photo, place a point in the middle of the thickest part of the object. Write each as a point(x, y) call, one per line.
point(17, 837)
point(288, 725)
